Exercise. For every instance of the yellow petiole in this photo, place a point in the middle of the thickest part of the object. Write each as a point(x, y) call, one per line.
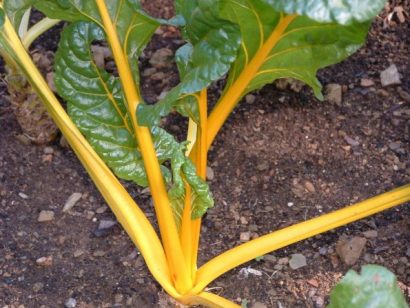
point(232, 96)
point(162, 204)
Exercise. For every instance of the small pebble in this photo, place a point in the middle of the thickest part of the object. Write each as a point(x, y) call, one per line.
point(350, 250)
point(104, 227)
point(259, 305)
point(48, 150)
point(99, 253)
point(78, 253)
point(45, 261)
point(323, 251)
point(365, 82)
point(38, 286)
point(23, 195)
point(45, 216)
point(262, 166)
point(210, 175)
point(72, 201)
point(270, 258)
point(101, 209)
point(334, 93)
point(297, 261)
point(310, 187)
point(250, 98)
point(370, 234)
point(245, 236)
point(283, 261)
point(70, 303)
point(351, 141)
point(390, 76)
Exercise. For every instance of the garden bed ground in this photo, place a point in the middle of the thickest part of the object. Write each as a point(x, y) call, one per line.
point(282, 157)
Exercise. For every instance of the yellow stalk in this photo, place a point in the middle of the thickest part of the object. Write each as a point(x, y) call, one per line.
point(201, 152)
point(185, 232)
point(162, 204)
point(208, 300)
point(265, 244)
point(191, 136)
point(232, 96)
point(127, 211)
point(190, 230)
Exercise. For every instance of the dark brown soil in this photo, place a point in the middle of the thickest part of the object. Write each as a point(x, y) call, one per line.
point(267, 155)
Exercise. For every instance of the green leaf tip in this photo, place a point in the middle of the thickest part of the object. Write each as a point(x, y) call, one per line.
point(375, 287)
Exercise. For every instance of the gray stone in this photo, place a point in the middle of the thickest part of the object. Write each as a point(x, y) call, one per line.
point(390, 76)
point(297, 261)
point(72, 201)
point(70, 303)
point(323, 251)
point(48, 150)
point(351, 141)
point(270, 258)
point(250, 98)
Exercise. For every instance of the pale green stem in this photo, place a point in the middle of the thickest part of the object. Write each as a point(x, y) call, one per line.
point(38, 29)
point(24, 23)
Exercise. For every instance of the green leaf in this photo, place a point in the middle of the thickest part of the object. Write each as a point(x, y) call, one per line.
point(134, 27)
point(305, 46)
point(15, 10)
point(2, 17)
point(183, 170)
point(212, 47)
point(340, 11)
point(375, 287)
point(96, 105)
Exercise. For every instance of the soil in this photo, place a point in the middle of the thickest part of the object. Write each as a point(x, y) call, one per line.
point(282, 157)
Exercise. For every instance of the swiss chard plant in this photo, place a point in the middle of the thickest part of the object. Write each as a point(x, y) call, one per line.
point(116, 134)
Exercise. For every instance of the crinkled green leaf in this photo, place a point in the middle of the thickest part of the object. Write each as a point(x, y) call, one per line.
point(133, 26)
point(375, 287)
point(96, 105)
point(340, 11)
point(211, 49)
point(15, 10)
point(183, 171)
point(304, 48)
